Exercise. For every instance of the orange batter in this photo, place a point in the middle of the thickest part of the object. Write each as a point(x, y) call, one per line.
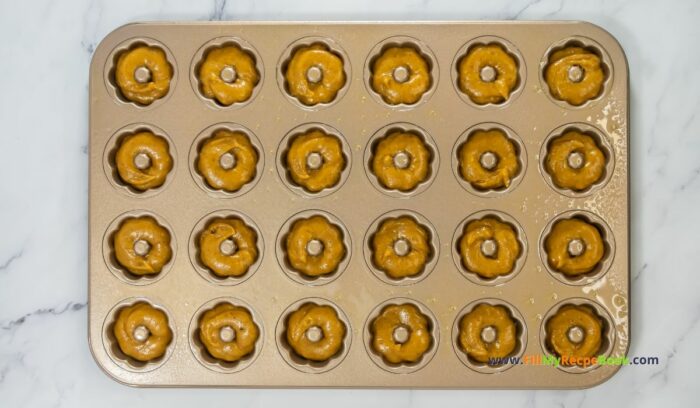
point(227, 160)
point(142, 246)
point(143, 160)
point(487, 332)
point(558, 245)
point(583, 341)
point(142, 332)
point(228, 247)
point(315, 74)
point(401, 75)
point(575, 161)
point(488, 74)
point(574, 75)
point(401, 334)
point(143, 74)
point(488, 160)
point(401, 161)
point(315, 160)
point(228, 75)
point(489, 247)
point(401, 247)
point(228, 332)
point(315, 246)
point(315, 332)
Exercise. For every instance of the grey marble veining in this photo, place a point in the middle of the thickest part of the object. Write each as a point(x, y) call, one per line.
point(46, 48)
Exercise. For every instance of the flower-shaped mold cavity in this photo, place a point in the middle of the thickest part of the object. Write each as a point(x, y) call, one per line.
point(577, 246)
point(229, 74)
point(142, 74)
point(576, 73)
point(146, 160)
point(577, 158)
point(314, 334)
point(314, 159)
point(314, 247)
point(489, 73)
point(402, 247)
point(227, 247)
point(141, 248)
point(489, 334)
point(401, 334)
point(489, 160)
point(489, 247)
point(111, 345)
point(577, 334)
point(402, 73)
point(402, 159)
point(227, 161)
point(227, 334)
point(314, 73)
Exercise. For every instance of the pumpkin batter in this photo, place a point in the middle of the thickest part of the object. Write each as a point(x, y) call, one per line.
point(489, 247)
point(315, 332)
point(488, 160)
point(142, 246)
point(228, 332)
point(574, 75)
point(143, 160)
point(574, 332)
point(228, 75)
point(401, 161)
point(315, 74)
point(315, 160)
point(143, 74)
point(400, 247)
point(487, 332)
point(401, 334)
point(142, 332)
point(315, 246)
point(227, 160)
point(401, 75)
point(488, 74)
point(561, 245)
point(574, 161)
point(228, 247)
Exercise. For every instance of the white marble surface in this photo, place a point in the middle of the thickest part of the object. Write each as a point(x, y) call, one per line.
point(46, 48)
